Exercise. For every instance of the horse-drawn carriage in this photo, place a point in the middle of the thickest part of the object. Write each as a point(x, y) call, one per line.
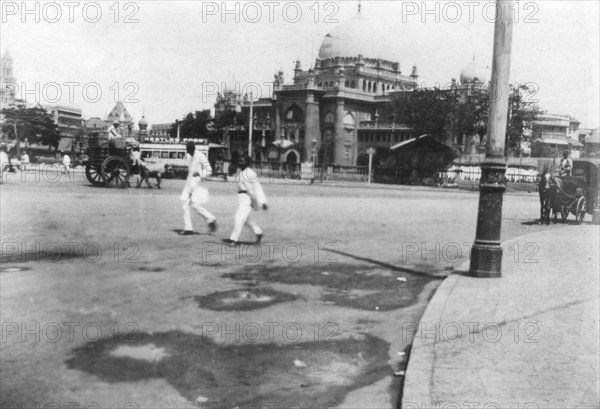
point(576, 194)
point(108, 163)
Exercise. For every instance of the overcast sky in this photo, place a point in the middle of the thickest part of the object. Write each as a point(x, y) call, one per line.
point(169, 56)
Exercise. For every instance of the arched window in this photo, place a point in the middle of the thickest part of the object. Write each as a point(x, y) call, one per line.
point(294, 114)
point(370, 86)
point(329, 118)
point(353, 84)
point(364, 85)
point(375, 88)
point(346, 83)
point(349, 120)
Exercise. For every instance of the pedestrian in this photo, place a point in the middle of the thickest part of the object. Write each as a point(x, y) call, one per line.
point(194, 194)
point(66, 160)
point(4, 161)
point(250, 196)
point(24, 160)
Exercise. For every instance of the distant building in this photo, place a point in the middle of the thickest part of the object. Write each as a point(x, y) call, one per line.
point(8, 86)
point(160, 131)
point(555, 133)
point(120, 114)
point(96, 124)
point(68, 118)
point(592, 144)
point(333, 111)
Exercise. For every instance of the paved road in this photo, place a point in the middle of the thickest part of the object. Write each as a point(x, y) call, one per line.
point(346, 267)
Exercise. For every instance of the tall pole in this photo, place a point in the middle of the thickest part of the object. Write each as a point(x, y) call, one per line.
point(486, 254)
point(250, 128)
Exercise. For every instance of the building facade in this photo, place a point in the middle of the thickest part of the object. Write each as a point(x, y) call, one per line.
point(332, 112)
point(120, 114)
point(555, 133)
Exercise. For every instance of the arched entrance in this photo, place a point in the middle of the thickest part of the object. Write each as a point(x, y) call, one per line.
point(292, 156)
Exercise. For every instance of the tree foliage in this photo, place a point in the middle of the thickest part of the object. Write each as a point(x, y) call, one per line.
point(446, 113)
point(33, 124)
point(199, 124)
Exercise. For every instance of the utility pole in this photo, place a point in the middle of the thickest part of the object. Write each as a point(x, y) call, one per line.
point(486, 254)
point(250, 128)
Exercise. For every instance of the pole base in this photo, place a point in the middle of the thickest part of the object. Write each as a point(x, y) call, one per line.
point(596, 216)
point(486, 261)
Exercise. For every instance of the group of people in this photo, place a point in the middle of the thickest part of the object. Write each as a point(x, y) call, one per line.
point(250, 196)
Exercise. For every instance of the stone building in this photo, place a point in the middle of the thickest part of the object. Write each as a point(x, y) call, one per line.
point(555, 133)
point(332, 112)
point(120, 114)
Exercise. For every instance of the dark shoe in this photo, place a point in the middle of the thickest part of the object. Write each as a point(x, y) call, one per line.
point(212, 226)
point(231, 243)
point(186, 233)
point(258, 239)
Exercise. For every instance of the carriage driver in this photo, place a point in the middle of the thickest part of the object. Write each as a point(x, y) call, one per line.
point(566, 165)
point(113, 131)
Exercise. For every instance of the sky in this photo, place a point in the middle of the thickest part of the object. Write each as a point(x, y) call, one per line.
point(167, 58)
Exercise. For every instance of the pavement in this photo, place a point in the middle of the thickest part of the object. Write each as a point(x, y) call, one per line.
point(529, 339)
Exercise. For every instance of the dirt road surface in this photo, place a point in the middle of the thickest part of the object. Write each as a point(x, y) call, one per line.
point(103, 304)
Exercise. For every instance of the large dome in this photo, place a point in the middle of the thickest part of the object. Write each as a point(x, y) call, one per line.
point(357, 36)
point(474, 72)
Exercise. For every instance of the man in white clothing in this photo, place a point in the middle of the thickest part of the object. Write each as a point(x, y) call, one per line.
point(113, 131)
point(66, 163)
point(194, 195)
point(250, 196)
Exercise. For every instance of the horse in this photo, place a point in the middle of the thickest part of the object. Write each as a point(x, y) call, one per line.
point(547, 191)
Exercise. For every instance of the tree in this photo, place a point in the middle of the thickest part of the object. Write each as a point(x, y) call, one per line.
point(523, 110)
point(198, 125)
point(443, 113)
point(33, 124)
point(426, 111)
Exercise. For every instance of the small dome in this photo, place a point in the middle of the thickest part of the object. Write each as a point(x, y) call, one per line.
point(474, 72)
point(143, 124)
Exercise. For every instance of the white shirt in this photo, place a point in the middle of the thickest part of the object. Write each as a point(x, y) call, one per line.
point(249, 182)
point(136, 158)
point(113, 133)
point(197, 164)
point(66, 160)
point(25, 158)
point(3, 159)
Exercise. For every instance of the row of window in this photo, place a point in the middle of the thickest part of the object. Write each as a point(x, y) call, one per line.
point(382, 137)
point(367, 86)
point(163, 155)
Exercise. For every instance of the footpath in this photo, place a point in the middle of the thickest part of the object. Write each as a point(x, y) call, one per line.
point(527, 340)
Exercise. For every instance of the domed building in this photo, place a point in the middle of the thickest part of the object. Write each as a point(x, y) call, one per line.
point(332, 112)
point(474, 73)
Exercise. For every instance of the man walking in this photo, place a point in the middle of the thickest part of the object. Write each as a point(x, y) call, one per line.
point(250, 196)
point(66, 160)
point(194, 195)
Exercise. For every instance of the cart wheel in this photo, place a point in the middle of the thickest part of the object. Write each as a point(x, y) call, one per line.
point(115, 171)
point(564, 213)
point(93, 174)
point(581, 209)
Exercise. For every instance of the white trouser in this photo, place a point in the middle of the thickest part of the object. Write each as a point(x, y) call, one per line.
point(194, 196)
point(242, 217)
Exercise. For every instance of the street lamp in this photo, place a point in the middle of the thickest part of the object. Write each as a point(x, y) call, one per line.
point(486, 253)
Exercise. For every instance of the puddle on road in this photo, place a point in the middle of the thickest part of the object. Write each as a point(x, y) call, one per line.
point(239, 374)
point(242, 300)
point(148, 352)
point(5, 269)
point(348, 285)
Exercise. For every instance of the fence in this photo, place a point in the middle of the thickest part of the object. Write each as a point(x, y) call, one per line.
point(405, 176)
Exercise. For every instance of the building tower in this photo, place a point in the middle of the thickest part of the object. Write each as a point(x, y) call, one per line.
point(7, 88)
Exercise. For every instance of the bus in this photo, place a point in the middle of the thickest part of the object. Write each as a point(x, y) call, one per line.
point(172, 157)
